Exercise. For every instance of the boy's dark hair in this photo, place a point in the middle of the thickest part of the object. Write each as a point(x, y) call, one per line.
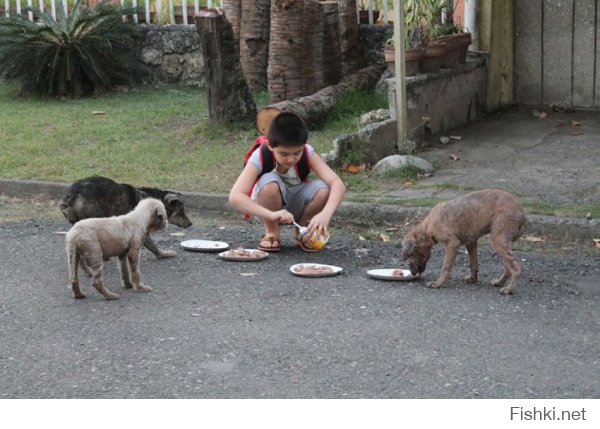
point(287, 129)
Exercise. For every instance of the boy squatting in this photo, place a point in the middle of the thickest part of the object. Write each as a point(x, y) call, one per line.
point(281, 196)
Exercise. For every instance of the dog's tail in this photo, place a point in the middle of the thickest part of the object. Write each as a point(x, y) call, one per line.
point(72, 256)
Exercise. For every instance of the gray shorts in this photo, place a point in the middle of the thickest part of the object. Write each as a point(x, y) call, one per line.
point(295, 198)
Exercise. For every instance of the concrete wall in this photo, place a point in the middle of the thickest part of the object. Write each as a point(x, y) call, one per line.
point(447, 99)
point(557, 53)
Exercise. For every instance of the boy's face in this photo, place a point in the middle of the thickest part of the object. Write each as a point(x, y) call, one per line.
point(287, 156)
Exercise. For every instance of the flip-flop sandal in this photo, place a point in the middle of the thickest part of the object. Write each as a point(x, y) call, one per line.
point(303, 246)
point(271, 239)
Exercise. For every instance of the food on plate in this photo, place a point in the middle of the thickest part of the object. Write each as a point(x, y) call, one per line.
point(398, 273)
point(240, 252)
point(313, 269)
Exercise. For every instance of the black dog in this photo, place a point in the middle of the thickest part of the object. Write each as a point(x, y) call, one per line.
point(102, 197)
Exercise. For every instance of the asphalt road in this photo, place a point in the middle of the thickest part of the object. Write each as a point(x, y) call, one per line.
point(218, 329)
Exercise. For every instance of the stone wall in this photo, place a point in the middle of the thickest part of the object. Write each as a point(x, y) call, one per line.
point(172, 52)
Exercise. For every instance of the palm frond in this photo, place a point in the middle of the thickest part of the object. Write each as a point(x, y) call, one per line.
point(89, 50)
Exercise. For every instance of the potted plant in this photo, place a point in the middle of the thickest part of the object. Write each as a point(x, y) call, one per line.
point(413, 49)
point(431, 27)
point(457, 42)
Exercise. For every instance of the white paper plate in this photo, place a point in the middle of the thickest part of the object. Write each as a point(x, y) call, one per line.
point(386, 274)
point(229, 257)
point(334, 270)
point(204, 245)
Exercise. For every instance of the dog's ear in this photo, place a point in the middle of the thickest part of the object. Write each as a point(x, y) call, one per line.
point(409, 246)
point(172, 199)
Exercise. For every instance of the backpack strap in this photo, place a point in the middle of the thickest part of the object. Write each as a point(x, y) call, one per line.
point(303, 167)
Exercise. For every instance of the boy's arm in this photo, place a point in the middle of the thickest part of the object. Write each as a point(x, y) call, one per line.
point(337, 189)
point(240, 199)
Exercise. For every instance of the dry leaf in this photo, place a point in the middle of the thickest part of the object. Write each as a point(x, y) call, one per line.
point(248, 274)
point(409, 182)
point(392, 228)
point(177, 234)
point(98, 112)
point(361, 238)
point(532, 238)
point(383, 237)
point(597, 241)
point(575, 123)
point(543, 115)
point(454, 157)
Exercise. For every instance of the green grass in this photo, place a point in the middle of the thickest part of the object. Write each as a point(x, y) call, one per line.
point(152, 136)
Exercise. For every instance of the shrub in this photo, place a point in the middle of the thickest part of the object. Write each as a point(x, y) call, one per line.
point(88, 51)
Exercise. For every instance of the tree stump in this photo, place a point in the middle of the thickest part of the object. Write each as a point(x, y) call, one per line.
point(313, 108)
point(254, 41)
point(348, 36)
point(229, 99)
point(233, 13)
point(331, 64)
point(291, 71)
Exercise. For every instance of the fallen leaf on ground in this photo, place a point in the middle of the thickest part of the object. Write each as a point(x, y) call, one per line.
point(532, 238)
point(384, 237)
point(454, 157)
point(177, 234)
point(98, 112)
point(392, 228)
point(361, 238)
point(597, 241)
point(575, 123)
point(248, 274)
point(409, 182)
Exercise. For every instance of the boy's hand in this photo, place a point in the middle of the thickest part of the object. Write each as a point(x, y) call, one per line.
point(282, 216)
point(319, 223)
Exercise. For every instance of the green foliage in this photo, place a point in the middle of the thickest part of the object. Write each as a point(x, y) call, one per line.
point(354, 103)
point(85, 52)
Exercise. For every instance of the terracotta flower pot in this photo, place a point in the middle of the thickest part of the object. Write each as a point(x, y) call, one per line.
point(433, 56)
point(412, 58)
point(454, 44)
point(466, 38)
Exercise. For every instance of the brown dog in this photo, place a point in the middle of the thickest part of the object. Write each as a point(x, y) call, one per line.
point(464, 220)
point(92, 240)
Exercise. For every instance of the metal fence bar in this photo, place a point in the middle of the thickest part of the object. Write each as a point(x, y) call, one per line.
point(152, 10)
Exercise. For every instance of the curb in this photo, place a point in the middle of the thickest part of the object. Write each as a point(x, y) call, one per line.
point(559, 228)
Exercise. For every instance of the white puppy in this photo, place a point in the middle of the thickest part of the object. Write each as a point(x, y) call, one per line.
point(92, 240)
